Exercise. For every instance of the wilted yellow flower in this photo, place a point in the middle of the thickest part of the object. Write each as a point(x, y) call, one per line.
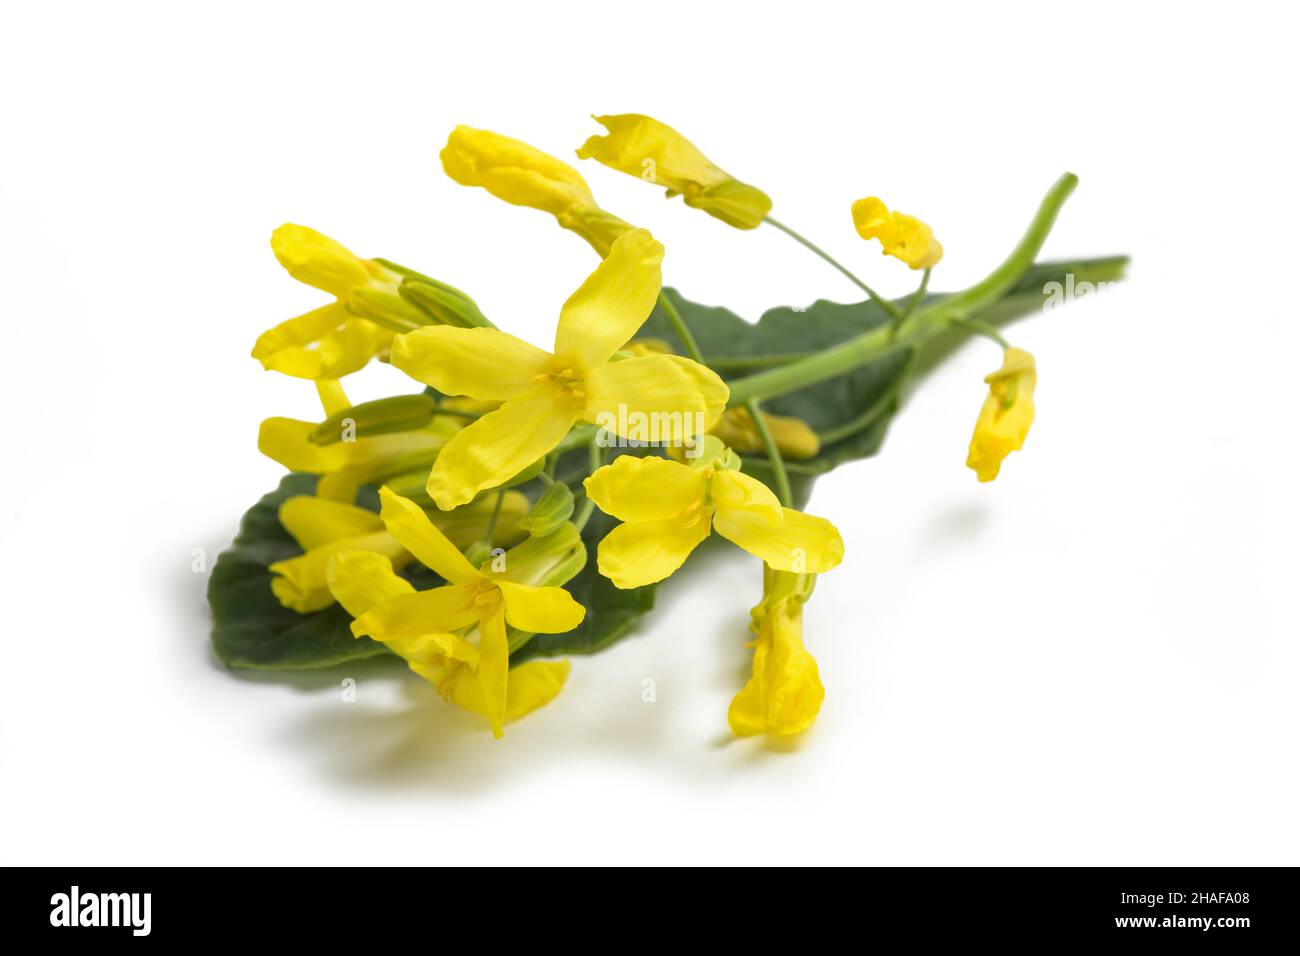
point(455, 636)
point(519, 174)
point(668, 508)
point(323, 528)
point(341, 337)
point(1006, 416)
point(794, 439)
point(901, 236)
point(650, 150)
point(785, 692)
point(654, 398)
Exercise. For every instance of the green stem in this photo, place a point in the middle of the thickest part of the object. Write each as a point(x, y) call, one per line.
point(868, 417)
point(924, 323)
point(496, 517)
point(773, 454)
point(743, 363)
point(812, 247)
point(917, 296)
point(977, 327)
point(679, 326)
point(595, 458)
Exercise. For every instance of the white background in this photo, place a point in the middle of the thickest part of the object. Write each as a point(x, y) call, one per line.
point(1091, 661)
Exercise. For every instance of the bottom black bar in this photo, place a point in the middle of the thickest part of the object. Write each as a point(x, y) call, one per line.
point(1228, 907)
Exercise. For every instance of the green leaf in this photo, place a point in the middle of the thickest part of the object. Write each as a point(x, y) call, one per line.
point(250, 628)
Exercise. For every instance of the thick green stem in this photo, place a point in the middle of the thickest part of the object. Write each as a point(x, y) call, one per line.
point(773, 454)
point(922, 324)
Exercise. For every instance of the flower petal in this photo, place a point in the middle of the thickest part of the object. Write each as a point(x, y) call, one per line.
point(540, 610)
point(785, 692)
point(313, 521)
point(494, 667)
point(798, 542)
point(513, 171)
point(646, 489)
point(361, 579)
point(613, 303)
point(486, 364)
point(435, 611)
point(656, 398)
point(407, 522)
point(736, 491)
point(643, 552)
point(316, 259)
point(498, 446)
point(713, 390)
point(302, 583)
point(533, 685)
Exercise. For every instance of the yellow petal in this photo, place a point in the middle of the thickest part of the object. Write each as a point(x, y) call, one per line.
point(785, 692)
point(612, 304)
point(540, 610)
point(302, 582)
point(407, 522)
point(485, 364)
point(439, 610)
point(643, 552)
point(317, 260)
point(513, 171)
point(1008, 411)
point(713, 390)
point(359, 580)
point(657, 153)
point(498, 446)
point(494, 667)
point(333, 398)
point(314, 344)
point(657, 398)
point(904, 237)
point(646, 489)
point(289, 442)
point(798, 542)
point(533, 685)
point(313, 521)
point(632, 139)
point(734, 491)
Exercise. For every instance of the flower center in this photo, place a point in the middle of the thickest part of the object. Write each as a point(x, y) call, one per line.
point(567, 383)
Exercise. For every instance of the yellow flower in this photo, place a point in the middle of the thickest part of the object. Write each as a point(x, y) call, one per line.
point(524, 176)
point(344, 466)
point(901, 236)
point(339, 338)
point(668, 508)
point(794, 439)
point(455, 636)
point(323, 528)
point(658, 398)
point(1006, 416)
point(785, 692)
point(645, 148)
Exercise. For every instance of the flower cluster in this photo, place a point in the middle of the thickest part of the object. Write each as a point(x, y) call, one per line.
point(468, 472)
